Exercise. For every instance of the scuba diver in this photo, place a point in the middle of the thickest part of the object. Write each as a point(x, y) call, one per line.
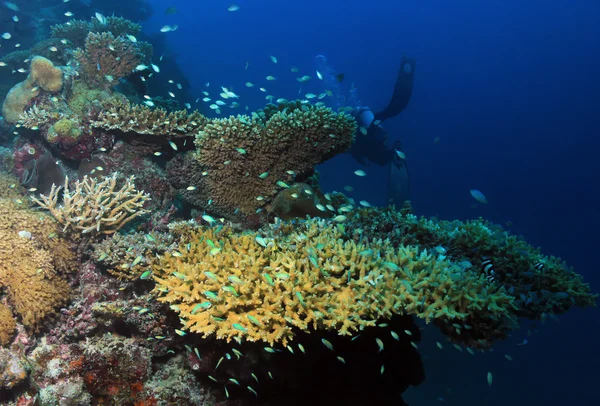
point(373, 146)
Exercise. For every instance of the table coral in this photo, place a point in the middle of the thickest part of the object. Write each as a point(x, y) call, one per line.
point(307, 278)
point(106, 59)
point(43, 75)
point(243, 162)
point(76, 31)
point(121, 115)
point(95, 206)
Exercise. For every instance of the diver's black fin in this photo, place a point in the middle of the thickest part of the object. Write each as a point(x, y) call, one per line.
point(402, 90)
point(398, 190)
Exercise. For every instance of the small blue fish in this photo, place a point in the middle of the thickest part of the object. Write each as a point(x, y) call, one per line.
point(477, 195)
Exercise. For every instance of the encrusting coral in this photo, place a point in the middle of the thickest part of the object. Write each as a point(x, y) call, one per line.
point(308, 278)
point(7, 325)
point(95, 206)
point(241, 163)
point(44, 76)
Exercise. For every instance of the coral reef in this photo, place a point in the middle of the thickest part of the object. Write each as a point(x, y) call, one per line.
point(242, 267)
point(95, 206)
point(43, 75)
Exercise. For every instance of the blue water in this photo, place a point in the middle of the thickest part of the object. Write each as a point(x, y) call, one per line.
point(512, 91)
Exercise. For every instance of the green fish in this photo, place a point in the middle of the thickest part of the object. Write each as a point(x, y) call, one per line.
point(379, 344)
point(210, 243)
point(254, 320)
point(254, 376)
point(327, 344)
point(395, 335)
point(180, 276)
point(215, 251)
point(219, 363)
point(180, 332)
point(282, 275)
point(391, 266)
point(300, 299)
point(240, 328)
point(282, 184)
point(205, 305)
point(212, 378)
point(237, 353)
point(234, 381)
point(241, 151)
point(230, 289)
point(268, 279)
point(210, 275)
point(263, 175)
point(252, 390)
point(270, 349)
point(235, 279)
point(210, 295)
point(146, 274)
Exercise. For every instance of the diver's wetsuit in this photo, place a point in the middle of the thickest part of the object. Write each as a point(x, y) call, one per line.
point(373, 146)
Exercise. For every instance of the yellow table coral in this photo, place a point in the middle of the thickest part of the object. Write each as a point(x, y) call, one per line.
point(259, 288)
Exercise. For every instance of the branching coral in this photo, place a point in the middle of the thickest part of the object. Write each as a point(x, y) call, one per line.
point(127, 256)
point(121, 115)
point(32, 258)
point(243, 162)
point(540, 285)
point(44, 76)
point(266, 288)
point(95, 206)
point(106, 59)
point(76, 31)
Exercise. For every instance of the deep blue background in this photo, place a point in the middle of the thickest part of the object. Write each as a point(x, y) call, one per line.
point(512, 90)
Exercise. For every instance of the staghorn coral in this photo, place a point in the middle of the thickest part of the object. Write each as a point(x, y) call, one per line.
point(32, 259)
point(119, 114)
point(43, 75)
point(76, 31)
point(106, 59)
point(94, 206)
point(242, 162)
point(309, 278)
point(7, 325)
